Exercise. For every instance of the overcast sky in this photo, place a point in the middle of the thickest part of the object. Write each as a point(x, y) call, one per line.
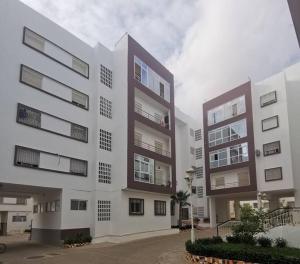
point(210, 45)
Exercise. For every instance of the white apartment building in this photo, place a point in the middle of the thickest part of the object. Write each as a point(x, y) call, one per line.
point(15, 215)
point(89, 133)
point(251, 136)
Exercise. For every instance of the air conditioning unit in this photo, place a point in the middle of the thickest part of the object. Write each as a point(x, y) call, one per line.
point(257, 152)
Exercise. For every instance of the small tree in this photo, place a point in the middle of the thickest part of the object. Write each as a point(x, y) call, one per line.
point(181, 198)
point(252, 221)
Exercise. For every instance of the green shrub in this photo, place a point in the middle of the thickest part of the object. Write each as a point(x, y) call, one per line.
point(217, 240)
point(244, 238)
point(245, 253)
point(233, 239)
point(264, 241)
point(280, 242)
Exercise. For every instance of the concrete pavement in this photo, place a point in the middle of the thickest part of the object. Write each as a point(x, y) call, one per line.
point(158, 250)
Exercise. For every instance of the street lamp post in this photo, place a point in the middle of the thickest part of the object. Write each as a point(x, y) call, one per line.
point(189, 180)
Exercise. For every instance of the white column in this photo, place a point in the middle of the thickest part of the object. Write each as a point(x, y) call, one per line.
point(212, 212)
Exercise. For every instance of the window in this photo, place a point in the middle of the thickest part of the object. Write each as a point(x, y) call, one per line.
point(228, 110)
point(78, 205)
point(199, 172)
point(57, 205)
point(21, 200)
point(199, 153)
point(106, 76)
point(236, 154)
point(104, 175)
point(54, 52)
point(79, 132)
point(105, 107)
point(27, 157)
point(104, 210)
point(19, 218)
point(29, 116)
point(200, 191)
point(271, 148)
point(273, 174)
point(160, 208)
point(270, 123)
point(136, 206)
point(78, 167)
point(199, 211)
point(193, 189)
point(161, 90)
point(35, 209)
point(172, 207)
point(192, 150)
point(141, 71)
point(105, 140)
point(143, 169)
point(41, 208)
point(267, 99)
point(227, 133)
point(31, 77)
point(80, 99)
point(198, 135)
point(192, 133)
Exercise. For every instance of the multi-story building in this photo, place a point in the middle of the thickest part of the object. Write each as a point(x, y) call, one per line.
point(89, 133)
point(15, 215)
point(251, 136)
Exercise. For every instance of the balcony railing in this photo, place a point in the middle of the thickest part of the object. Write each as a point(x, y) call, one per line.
point(232, 160)
point(151, 117)
point(155, 149)
point(230, 185)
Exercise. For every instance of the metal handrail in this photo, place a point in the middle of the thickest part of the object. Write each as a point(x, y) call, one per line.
point(151, 117)
point(155, 149)
point(239, 158)
point(227, 225)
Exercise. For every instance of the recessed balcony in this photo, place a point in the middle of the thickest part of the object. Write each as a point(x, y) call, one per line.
point(157, 148)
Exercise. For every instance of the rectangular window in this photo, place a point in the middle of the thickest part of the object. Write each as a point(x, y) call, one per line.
point(160, 208)
point(106, 76)
point(78, 167)
point(194, 189)
point(104, 175)
point(35, 209)
point(136, 206)
point(199, 211)
point(271, 148)
point(239, 153)
point(80, 99)
point(104, 210)
point(161, 90)
point(79, 132)
point(270, 123)
point(227, 133)
point(199, 172)
point(267, 99)
point(199, 153)
point(105, 107)
point(27, 157)
point(228, 110)
point(143, 169)
point(200, 191)
point(78, 205)
point(198, 135)
point(19, 218)
point(105, 140)
point(21, 201)
point(31, 77)
point(29, 116)
point(273, 174)
point(192, 151)
point(54, 52)
point(192, 133)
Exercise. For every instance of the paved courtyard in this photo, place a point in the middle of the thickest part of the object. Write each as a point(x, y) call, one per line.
point(158, 250)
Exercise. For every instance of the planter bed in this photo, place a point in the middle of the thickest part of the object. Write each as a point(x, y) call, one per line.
point(227, 252)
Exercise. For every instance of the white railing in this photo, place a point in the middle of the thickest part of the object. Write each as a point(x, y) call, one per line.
point(155, 149)
point(225, 229)
point(153, 118)
point(282, 217)
point(232, 160)
point(230, 185)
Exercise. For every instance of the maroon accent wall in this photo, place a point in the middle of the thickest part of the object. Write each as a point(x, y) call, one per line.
point(294, 6)
point(244, 89)
point(135, 49)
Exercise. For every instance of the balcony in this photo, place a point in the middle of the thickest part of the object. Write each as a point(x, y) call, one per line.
point(155, 118)
point(157, 149)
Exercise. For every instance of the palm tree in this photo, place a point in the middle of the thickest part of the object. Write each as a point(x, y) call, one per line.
point(180, 198)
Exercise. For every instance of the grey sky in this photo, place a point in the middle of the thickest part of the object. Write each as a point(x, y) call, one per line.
point(210, 45)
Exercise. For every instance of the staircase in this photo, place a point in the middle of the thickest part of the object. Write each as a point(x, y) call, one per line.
point(275, 218)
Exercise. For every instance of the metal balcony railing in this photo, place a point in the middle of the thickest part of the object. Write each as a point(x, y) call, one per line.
point(230, 185)
point(155, 149)
point(153, 118)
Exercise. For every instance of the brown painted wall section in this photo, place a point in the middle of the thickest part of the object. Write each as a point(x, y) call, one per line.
point(134, 49)
point(244, 89)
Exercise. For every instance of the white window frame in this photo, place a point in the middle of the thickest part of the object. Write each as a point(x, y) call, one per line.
point(143, 169)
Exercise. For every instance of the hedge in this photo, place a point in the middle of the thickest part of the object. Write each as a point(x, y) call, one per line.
point(244, 252)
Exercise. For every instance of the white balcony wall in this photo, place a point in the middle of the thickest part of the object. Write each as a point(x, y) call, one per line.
point(57, 53)
point(56, 89)
point(54, 162)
